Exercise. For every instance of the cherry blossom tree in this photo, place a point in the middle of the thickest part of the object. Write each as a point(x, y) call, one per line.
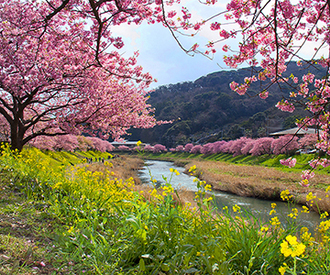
point(43, 143)
point(158, 148)
point(207, 148)
point(247, 147)
point(225, 148)
point(123, 148)
point(188, 147)
point(308, 141)
point(67, 142)
point(85, 143)
point(100, 144)
point(60, 72)
point(179, 148)
point(262, 146)
point(148, 148)
point(217, 146)
point(271, 34)
point(237, 145)
point(196, 149)
point(287, 144)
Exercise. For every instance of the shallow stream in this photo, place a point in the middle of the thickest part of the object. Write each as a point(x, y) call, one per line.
point(260, 208)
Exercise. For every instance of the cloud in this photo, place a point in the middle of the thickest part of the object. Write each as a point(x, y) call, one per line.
point(161, 55)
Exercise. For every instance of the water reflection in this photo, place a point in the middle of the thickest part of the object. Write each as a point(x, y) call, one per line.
point(160, 171)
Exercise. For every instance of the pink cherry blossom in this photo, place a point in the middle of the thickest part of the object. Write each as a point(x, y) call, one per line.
point(290, 162)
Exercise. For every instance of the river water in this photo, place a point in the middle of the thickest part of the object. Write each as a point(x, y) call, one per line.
point(160, 170)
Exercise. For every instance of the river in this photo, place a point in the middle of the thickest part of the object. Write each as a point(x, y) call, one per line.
point(159, 170)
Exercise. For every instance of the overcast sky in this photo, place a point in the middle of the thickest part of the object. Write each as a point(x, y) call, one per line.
point(161, 56)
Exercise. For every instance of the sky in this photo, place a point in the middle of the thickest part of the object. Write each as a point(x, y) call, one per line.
point(161, 56)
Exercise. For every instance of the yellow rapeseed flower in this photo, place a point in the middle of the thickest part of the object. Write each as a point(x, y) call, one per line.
point(275, 221)
point(208, 187)
point(264, 229)
point(282, 269)
point(310, 197)
point(305, 209)
point(273, 211)
point(285, 195)
point(192, 169)
point(324, 226)
point(236, 208)
point(324, 215)
point(291, 247)
point(294, 213)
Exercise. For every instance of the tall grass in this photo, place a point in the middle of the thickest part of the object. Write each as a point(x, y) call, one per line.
point(108, 228)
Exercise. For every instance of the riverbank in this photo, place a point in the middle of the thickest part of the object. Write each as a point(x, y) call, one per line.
point(59, 215)
point(255, 180)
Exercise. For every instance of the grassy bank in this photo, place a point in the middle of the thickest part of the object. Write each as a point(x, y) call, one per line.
point(256, 176)
point(60, 215)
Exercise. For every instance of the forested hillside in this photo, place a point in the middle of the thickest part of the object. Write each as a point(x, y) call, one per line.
point(208, 110)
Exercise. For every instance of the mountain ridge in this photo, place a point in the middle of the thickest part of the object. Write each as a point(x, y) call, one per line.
point(207, 107)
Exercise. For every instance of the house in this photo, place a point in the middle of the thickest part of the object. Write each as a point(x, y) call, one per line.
point(294, 131)
point(130, 144)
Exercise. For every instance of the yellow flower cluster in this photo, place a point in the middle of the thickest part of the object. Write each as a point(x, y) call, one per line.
point(236, 208)
point(285, 195)
point(275, 221)
point(167, 190)
point(291, 247)
point(264, 229)
point(306, 237)
point(324, 226)
point(305, 209)
point(192, 169)
point(273, 211)
point(174, 171)
point(310, 197)
point(294, 213)
point(282, 269)
point(324, 215)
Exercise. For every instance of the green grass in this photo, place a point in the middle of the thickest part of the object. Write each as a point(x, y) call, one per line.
point(25, 232)
point(59, 218)
point(264, 160)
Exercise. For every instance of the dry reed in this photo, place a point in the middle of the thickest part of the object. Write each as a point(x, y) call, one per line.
point(260, 182)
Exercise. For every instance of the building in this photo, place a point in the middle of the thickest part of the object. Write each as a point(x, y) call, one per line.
point(299, 132)
point(130, 144)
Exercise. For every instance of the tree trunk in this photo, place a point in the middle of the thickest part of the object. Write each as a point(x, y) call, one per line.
point(16, 136)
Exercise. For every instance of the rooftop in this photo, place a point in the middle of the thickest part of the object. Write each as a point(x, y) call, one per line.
point(294, 131)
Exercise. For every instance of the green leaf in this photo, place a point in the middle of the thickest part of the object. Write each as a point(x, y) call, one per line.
point(191, 270)
point(165, 267)
point(142, 265)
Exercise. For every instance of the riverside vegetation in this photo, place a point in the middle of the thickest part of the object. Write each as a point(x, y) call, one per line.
point(255, 176)
point(60, 215)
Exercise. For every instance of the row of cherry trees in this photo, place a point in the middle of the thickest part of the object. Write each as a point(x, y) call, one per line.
point(243, 146)
point(287, 144)
point(71, 143)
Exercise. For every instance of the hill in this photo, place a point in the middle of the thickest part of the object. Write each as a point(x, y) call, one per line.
point(207, 109)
